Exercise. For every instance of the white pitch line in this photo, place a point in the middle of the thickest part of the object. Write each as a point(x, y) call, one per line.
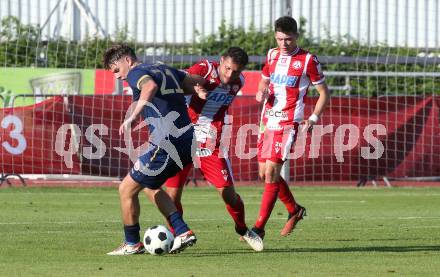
point(387, 218)
point(226, 219)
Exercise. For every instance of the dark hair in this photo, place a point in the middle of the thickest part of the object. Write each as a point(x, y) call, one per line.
point(286, 24)
point(116, 52)
point(238, 55)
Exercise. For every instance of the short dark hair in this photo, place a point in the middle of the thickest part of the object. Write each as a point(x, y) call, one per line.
point(286, 24)
point(116, 52)
point(238, 55)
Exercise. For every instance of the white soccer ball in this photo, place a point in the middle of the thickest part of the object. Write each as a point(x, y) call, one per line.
point(158, 240)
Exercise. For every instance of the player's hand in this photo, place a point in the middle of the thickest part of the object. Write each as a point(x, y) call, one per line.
point(262, 95)
point(125, 126)
point(201, 91)
point(307, 125)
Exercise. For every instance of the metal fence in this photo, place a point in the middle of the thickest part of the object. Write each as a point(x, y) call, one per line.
point(412, 23)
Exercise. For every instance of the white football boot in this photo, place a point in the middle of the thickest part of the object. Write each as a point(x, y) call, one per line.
point(126, 249)
point(254, 240)
point(183, 241)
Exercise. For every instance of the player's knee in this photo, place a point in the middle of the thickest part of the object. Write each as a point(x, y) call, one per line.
point(271, 175)
point(229, 195)
point(122, 189)
point(127, 191)
point(174, 194)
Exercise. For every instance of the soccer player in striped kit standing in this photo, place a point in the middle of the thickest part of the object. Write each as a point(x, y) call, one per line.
point(286, 77)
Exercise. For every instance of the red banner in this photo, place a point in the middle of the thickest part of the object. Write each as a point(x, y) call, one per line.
point(357, 138)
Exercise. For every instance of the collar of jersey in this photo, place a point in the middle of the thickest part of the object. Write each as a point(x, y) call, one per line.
point(294, 52)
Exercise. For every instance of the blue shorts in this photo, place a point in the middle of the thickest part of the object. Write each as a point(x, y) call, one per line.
point(154, 167)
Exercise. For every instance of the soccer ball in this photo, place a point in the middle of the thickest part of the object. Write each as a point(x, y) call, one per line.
point(158, 240)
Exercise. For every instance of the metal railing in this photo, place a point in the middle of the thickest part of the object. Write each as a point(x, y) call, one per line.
point(348, 75)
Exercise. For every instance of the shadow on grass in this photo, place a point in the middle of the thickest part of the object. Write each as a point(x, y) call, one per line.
point(398, 249)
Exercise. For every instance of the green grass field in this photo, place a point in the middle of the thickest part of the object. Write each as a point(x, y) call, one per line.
point(348, 232)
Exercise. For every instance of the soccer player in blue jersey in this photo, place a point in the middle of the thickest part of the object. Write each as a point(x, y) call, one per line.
point(158, 93)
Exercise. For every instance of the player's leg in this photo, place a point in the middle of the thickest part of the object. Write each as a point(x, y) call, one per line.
point(274, 184)
point(235, 207)
point(296, 211)
point(154, 169)
point(130, 210)
point(184, 237)
point(273, 148)
point(174, 186)
point(218, 172)
point(166, 206)
point(271, 177)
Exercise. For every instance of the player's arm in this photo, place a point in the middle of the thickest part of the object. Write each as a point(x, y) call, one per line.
point(193, 84)
point(324, 98)
point(263, 85)
point(263, 89)
point(148, 89)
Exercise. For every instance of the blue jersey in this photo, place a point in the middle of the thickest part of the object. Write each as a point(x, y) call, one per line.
point(168, 99)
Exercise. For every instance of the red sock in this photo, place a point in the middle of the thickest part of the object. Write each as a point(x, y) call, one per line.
point(286, 196)
point(237, 214)
point(268, 200)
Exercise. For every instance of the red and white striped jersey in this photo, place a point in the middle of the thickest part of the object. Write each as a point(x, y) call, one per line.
point(290, 77)
point(208, 116)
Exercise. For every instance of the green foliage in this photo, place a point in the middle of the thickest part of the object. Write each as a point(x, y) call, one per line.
point(21, 46)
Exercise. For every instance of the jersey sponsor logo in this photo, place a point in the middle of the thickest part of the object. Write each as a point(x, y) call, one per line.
point(283, 80)
point(275, 114)
point(297, 65)
point(224, 99)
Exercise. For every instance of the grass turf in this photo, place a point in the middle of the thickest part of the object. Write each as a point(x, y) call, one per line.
point(348, 232)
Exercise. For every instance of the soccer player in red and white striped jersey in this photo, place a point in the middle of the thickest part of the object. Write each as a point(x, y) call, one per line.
point(223, 81)
point(286, 77)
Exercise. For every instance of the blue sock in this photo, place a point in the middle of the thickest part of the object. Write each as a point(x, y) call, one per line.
point(132, 234)
point(177, 223)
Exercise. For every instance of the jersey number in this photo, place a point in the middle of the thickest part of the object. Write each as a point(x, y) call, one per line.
point(163, 88)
